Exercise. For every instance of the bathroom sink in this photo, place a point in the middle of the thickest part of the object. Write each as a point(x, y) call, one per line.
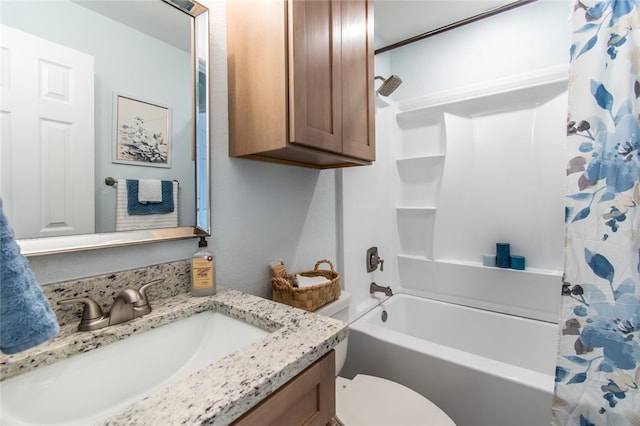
point(91, 386)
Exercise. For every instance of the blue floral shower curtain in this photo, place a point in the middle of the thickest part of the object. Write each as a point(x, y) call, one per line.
point(598, 368)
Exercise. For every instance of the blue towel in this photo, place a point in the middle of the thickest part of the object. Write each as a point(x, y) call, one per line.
point(136, 208)
point(26, 317)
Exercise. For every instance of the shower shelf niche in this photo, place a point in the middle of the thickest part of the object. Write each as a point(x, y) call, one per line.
point(421, 137)
point(472, 264)
point(415, 258)
point(415, 230)
point(419, 180)
point(407, 209)
point(420, 163)
point(420, 160)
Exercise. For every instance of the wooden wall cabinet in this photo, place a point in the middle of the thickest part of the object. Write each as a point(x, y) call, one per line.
point(308, 399)
point(300, 76)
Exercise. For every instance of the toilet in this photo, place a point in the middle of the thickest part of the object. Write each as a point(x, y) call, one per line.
point(370, 401)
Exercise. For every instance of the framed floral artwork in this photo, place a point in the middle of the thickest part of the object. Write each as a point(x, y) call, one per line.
point(142, 132)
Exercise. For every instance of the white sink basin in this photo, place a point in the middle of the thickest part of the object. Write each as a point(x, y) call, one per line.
point(89, 387)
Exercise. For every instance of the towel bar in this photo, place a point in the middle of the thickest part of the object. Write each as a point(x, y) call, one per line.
point(113, 181)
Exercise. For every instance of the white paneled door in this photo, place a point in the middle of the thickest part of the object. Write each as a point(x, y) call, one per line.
point(47, 136)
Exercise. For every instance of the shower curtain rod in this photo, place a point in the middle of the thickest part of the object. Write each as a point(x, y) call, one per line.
point(457, 24)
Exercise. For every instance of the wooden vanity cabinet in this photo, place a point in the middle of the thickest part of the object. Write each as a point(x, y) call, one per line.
point(307, 399)
point(300, 76)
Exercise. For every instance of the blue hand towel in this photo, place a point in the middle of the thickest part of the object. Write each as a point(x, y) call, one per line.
point(26, 319)
point(136, 208)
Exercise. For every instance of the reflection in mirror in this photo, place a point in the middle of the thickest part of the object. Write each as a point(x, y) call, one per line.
point(96, 90)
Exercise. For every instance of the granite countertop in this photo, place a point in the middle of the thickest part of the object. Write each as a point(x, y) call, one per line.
point(221, 392)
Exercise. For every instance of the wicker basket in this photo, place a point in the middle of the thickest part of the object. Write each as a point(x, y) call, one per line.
point(307, 298)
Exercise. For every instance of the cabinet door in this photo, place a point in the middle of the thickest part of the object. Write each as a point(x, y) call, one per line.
point(308, 399)
point(358, 132)
point(315, 69)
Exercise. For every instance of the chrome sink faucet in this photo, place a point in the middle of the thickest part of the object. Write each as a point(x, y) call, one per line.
point(127, 305)
point(373, 288)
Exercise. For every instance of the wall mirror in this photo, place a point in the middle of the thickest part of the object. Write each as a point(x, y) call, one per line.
point(99, 89)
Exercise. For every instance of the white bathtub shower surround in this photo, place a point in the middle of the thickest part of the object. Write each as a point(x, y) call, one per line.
point(467, 169)
point(476, 167)
point(482, 368)
point(457, 172)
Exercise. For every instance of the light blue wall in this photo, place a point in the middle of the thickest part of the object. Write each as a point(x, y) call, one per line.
point(260, 211)
point(530, 37)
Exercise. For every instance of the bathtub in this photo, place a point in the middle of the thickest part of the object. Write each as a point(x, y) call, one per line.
point(482, 368)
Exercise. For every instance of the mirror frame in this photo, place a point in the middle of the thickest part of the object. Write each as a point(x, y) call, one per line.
point(202, 227)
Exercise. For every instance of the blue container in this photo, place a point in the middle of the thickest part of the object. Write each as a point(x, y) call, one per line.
point(503, 254)
point(517, 262)
point(489, 259)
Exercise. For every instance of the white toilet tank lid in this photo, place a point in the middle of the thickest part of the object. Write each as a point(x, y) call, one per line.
point(341, 303)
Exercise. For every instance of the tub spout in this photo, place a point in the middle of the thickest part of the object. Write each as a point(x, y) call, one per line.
point(373, 288)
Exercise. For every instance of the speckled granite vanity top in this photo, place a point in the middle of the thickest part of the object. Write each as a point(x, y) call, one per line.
point(221, 392)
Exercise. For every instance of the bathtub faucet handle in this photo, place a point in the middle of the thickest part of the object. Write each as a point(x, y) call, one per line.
point(373, 260)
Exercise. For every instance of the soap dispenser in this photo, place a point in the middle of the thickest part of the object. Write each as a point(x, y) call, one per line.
point(203, 271)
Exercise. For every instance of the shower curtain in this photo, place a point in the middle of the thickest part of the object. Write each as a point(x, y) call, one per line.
point(598, 367)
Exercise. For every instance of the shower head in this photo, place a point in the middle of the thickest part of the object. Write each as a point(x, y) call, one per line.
point(389, 85)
